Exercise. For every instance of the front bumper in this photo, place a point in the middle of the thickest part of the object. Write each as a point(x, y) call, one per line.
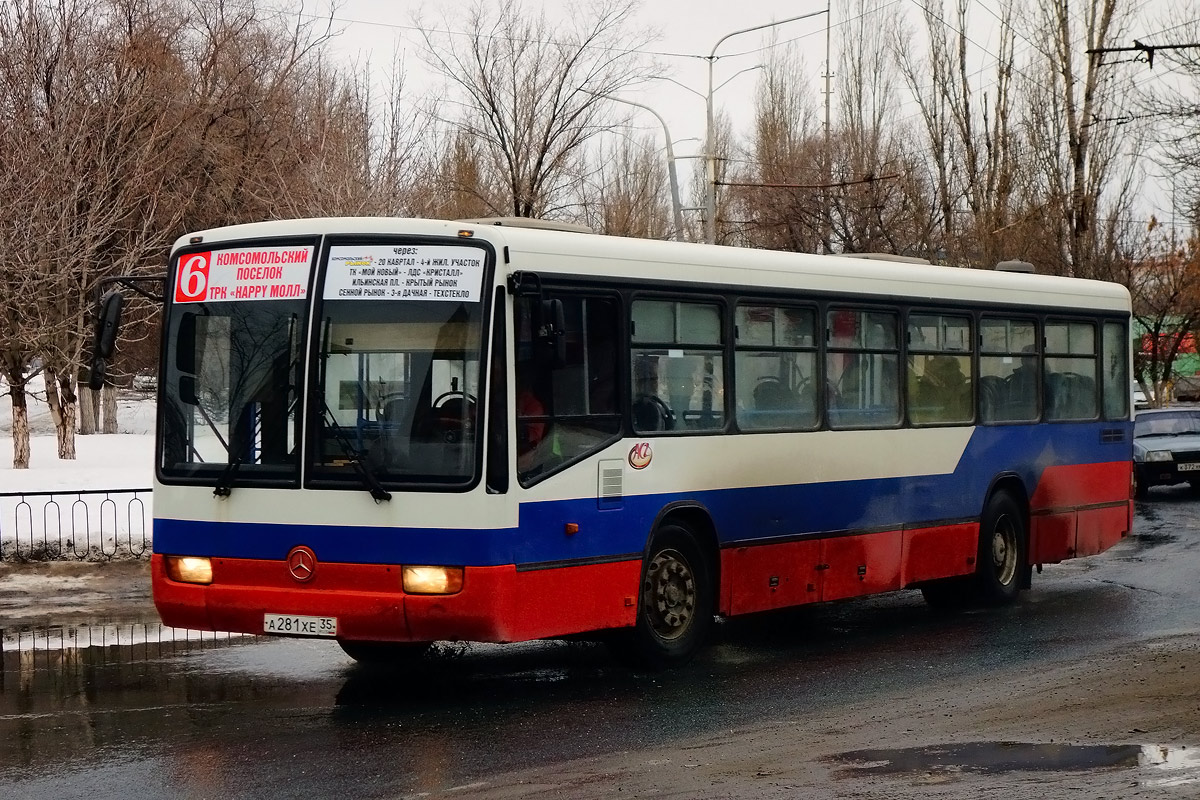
point(496, 604)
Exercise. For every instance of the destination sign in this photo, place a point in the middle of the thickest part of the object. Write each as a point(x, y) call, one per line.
point(405, 272)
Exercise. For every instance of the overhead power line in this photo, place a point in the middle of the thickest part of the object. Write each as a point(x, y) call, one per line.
point(1139, 47)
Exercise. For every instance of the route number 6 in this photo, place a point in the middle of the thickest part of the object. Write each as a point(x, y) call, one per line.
point(191, 285)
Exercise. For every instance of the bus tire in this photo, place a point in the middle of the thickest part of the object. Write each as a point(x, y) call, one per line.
point(384, 654)
point(675, 602)
point(1003, 544)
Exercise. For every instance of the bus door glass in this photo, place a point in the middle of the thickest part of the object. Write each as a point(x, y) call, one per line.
point(566, 408)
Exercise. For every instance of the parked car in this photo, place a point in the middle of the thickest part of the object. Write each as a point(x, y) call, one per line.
point(1166, 448)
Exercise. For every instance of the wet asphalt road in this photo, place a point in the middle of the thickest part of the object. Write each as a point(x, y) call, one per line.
point(295, 718)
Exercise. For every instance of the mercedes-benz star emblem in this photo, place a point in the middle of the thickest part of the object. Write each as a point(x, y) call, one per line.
point(302, 563)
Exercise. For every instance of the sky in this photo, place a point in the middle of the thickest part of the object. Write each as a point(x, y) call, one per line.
point(688, 30)
point(687, 33)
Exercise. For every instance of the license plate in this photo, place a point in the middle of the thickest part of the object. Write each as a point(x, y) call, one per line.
point(292, 625)
point(1188, 467)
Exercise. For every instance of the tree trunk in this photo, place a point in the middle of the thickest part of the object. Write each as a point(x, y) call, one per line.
point(20, 426)
point(108, 402)
point(60, 396)
point(89, 411)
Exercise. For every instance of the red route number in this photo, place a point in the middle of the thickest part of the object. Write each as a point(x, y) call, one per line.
point(191, 284)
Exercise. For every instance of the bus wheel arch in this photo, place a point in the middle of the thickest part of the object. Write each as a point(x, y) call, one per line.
point(677, 591)
point(697, 520)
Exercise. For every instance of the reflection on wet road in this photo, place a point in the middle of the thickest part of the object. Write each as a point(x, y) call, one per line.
point(242, 717)
point(1154, 765)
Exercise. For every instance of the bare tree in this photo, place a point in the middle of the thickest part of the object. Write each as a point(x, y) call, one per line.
point(785, 149)
point(627, 194)
point(1070, 93)
point(531, 91)
point(972, 145)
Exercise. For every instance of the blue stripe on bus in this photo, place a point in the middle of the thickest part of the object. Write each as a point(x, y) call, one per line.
point(739, 514)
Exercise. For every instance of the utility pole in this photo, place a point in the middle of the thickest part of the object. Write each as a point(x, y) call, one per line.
point(827, 176)
point(710, 217)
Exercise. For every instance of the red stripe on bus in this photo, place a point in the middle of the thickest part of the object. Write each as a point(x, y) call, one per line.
point(496, 604)
point(1074, 485)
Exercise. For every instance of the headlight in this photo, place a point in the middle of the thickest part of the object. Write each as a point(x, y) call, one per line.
point(189, 569)
point(432, 580)
point(1160, 455)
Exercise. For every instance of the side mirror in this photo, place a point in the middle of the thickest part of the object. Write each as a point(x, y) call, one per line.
point(96, 373)
point(185, 349)
point(552, 330)
point(107, 324)
point(187, 391)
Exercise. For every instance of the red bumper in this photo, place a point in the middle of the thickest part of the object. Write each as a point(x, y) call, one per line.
point(496, 604)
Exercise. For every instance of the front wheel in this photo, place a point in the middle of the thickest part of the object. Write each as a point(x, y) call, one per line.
point(1003, 544)
point(675, 604)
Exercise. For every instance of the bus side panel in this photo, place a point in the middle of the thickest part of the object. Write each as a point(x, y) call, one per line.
point(941, 552)
point(1098, 529)
point(1057, 534)
point(566, 600)
point(1074, 485)
point(770, 576)
point(860, 565)
point(1051, 538)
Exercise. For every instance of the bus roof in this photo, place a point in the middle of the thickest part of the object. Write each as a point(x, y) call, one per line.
point(610, 257)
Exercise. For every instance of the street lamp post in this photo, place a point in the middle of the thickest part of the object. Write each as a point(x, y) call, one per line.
point(672, 176)
point(710, 220)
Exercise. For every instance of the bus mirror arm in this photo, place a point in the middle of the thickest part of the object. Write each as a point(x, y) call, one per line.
point(108, 320)
point(524, 284)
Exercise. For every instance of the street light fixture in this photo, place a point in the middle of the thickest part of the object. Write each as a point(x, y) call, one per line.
point(710, 221)
point(676, 206)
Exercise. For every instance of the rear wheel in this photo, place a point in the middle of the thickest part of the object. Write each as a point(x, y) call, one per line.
point(1003, 544)
point(675, 604)
point(384, 654)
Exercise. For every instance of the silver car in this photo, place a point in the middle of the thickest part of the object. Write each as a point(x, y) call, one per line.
point(1166, 448)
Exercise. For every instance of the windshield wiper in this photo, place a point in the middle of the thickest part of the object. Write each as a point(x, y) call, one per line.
point(365, 475)
point(224, 483)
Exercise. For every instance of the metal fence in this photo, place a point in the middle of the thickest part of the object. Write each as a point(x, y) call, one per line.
point(84, 525)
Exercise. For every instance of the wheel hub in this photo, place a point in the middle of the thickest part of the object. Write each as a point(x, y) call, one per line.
point(670, 594)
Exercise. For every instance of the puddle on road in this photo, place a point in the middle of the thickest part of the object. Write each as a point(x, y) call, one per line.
point(1158, 765)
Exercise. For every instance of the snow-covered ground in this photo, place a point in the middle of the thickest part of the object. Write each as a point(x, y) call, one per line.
point(70, 521)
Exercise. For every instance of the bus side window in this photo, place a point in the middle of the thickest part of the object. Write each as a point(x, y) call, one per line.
point(775, 367)
point(1008, 370)
point(862, 366)
point(1070, 371)
point(678, 367)
point(939, 369)
point(565, 411)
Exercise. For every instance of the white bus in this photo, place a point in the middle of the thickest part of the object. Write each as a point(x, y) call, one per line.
point(389, 432)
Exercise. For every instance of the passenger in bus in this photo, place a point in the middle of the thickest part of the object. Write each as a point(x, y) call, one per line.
point(943, 392)
point(531, 424)
point(1022, 386)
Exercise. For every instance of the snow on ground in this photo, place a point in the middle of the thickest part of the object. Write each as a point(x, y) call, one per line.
point(67, 521)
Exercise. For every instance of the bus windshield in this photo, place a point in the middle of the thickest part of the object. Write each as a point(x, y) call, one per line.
point(399, 364)
point(234, 346)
